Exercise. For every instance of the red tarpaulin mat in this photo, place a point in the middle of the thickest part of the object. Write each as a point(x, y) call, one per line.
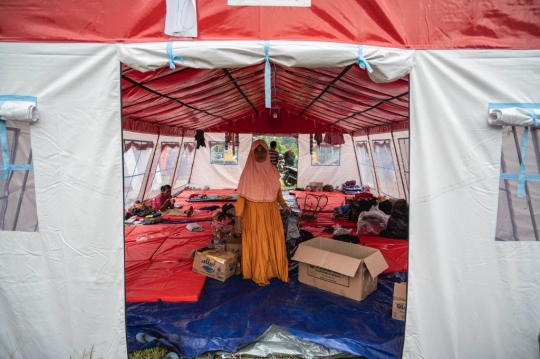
point(198, 215)
point(335, 199)
point(199, 205)
point(394, 251)
point(150, 231)
point(142, 250)
point(317, 232)
point(133, 270)
point(167, 282)
point(128, 230)
point(185, 194)
point(182, 232)
point(175, 249)
point(325, 220)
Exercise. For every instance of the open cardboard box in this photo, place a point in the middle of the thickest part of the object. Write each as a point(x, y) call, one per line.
point(346, 269)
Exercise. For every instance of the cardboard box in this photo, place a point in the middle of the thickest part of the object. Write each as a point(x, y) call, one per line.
point(346, 269)
point(234, 245)
point(214, 263)
point(399, 305)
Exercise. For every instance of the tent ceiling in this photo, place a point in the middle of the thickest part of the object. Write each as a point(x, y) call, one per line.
point(304, 100)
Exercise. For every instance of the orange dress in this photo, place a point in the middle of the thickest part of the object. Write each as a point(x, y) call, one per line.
point(264, 253)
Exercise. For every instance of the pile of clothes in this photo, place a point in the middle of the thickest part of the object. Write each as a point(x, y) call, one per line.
point(350, 187)
point(141, 213)
point(222, 225)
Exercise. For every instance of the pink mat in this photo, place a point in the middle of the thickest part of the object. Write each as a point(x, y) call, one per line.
point(167, 282)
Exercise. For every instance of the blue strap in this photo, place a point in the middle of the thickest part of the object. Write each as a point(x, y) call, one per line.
point(6, 158)
point(521, 177)
point(515, 177)
point(267, 74)
point(533, 115)
point(362, 62)
point(172, 57)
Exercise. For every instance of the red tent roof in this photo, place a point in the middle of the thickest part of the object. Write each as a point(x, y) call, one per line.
point(303, 100)
point(418, 24)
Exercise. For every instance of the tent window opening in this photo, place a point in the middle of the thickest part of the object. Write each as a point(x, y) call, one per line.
point(364, 162)
point(136, 157)
point(518, 218)
point(165, 167)
point(404, 150)
point(222, 153)
point(326, 155)
point(186, 162)
point(384, 163)
point(18, 209)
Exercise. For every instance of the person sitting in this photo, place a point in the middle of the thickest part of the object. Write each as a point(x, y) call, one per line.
point(164, 203)
point(164, 200)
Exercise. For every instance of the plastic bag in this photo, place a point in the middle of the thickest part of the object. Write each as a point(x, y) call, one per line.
point(398, 224)
point(339, 230)
point(372, 222)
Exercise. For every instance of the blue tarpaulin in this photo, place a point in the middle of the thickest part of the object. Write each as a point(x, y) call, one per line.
point(236, 312)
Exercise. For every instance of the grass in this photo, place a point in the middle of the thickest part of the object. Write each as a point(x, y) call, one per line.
point(160, 352)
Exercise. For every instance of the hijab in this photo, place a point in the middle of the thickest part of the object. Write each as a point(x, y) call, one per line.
point(259, 181)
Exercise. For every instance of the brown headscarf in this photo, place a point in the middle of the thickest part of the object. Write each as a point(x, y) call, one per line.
point(259, 182)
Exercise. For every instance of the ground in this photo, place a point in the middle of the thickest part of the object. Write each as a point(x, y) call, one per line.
point(160, 352)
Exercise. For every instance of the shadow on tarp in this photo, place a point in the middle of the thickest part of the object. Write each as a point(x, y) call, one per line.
point(237, 312)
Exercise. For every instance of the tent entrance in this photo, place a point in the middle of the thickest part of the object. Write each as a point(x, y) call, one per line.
point(172, 105)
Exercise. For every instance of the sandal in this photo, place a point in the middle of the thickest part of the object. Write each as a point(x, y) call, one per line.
point(190, 211)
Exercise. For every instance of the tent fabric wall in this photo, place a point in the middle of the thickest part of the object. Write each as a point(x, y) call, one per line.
point(334, 175)
point(469, 296)
point(387, 137)
point(150, 191)
point(184, 166)
point(63, 287)
point(218, 176)
point(140, 188)
point(420, 24)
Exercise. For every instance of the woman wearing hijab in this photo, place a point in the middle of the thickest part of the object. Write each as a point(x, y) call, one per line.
point(258, 218)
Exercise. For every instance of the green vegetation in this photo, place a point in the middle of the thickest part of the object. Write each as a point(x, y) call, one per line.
point(283, 143)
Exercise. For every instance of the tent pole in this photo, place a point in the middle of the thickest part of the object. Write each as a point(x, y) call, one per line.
point(180, 153)
point(399, 166)
point(531, 211)
point(192, 164)
point(357, 165)
point(21, 195)
point(145, 187)
point(373, 163)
